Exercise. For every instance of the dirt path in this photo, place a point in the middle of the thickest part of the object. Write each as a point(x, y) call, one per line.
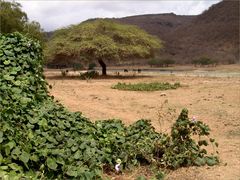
point(215, 101)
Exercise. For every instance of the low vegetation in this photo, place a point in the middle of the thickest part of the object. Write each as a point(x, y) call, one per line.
point(91, 66)
point(161, 62)
point(40, 139)
point(89, 75)
point(204, 61)
point(77, 66)
point(156, 86)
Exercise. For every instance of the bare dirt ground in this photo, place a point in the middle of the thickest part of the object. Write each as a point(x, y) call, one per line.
point(213, 100)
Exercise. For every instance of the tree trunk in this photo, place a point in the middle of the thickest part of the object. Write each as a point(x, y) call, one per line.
point(104, 67)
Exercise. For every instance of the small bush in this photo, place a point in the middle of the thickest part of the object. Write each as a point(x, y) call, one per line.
point(146, 86)
point(161, 62)
point(77, 66)
point(153, 62)
point(203, 61)
point(168, 62)
point(91, 66)
point(89, 75)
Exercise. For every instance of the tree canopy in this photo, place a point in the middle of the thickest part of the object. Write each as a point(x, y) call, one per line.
point(13, 19)
point(101, 40)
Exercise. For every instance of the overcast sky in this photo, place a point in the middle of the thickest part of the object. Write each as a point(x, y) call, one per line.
point(56, 14)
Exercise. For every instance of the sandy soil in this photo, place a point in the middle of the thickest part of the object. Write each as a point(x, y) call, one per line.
point(215, 101)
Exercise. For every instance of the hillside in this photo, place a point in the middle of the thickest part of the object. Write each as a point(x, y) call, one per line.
point(214, 33)
point(158, 24)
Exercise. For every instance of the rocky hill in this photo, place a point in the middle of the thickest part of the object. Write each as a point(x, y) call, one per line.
point(158, 24)
point(214, 33)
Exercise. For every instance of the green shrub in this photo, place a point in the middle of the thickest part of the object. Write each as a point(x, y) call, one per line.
point(77, 66)
point(91, 66)
point(146, 86)
point(204, 61)
point(89, 75)
point(161, 62)
point(153, 62)
point(168, 62)
point(40, 139)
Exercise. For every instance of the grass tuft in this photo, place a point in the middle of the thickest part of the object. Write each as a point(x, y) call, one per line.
point(156, 86)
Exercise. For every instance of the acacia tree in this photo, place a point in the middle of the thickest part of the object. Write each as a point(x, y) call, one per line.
point(101, 40)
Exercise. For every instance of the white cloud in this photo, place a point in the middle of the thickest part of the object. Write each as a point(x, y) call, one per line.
point(56, 14)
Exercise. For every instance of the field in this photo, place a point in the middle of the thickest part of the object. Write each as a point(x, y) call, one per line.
point(213, 100)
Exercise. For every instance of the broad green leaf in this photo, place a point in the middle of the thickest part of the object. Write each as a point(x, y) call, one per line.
point(9, 53)
point(17, 49)
point(34, 157)
point(3, 167)
point(16, 151)
point(15, 167)
point(43, 122)
point(9, 78)
point(17, 83)
point(1, 136)
point(200, 161)
point(72, 171)
point(60, 160)
point(24, 157)
point(51, 163)
point(11, 144)
point(16, 90)
point(211, 161)
point(25, 100)
point(1, 158)
point(6, 62)
point(30, 135)
point(77, 154)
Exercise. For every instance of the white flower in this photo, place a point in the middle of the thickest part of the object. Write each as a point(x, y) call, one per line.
point(193, 119)
point(117, 167)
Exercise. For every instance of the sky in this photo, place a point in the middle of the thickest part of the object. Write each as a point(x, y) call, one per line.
point(54, 14)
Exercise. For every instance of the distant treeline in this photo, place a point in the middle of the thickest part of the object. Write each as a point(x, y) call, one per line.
point(202, 61)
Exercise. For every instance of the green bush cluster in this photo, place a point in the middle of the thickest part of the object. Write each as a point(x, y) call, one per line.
point(77, 66)
point(91, 66)
point(161, 62)
point(40, 139)
point(204, 61)
point(156, 86)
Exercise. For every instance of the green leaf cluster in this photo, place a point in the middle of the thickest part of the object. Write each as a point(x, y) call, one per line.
point(183, 149)
point(204, 61)
point(40, 139)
